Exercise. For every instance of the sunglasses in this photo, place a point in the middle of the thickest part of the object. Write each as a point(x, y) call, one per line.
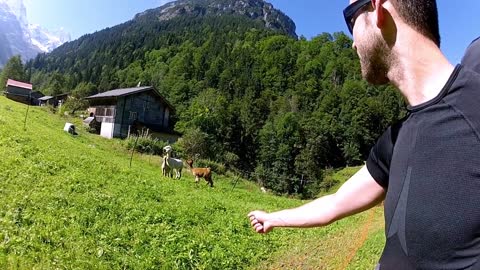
point(352, 11)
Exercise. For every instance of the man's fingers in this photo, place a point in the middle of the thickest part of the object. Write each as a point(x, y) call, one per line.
point(258, 227)
point(255, 223)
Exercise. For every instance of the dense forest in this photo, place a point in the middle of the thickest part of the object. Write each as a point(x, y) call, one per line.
point(281, 110)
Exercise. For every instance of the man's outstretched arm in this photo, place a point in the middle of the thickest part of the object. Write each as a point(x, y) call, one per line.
point(358, 194)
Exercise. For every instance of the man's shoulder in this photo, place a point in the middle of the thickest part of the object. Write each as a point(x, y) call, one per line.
point(464, 96)
point(467, 82)
point(472, 56)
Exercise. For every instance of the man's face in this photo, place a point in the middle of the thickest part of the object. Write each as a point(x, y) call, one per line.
point(369, 45)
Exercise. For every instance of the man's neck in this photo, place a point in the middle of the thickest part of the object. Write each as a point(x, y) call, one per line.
point(420, 70)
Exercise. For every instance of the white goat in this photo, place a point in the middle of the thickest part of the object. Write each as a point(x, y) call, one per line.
point(166, 170)
point(167, 149)
point(174, 164)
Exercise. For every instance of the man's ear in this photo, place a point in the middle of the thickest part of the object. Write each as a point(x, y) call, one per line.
point(379, 12)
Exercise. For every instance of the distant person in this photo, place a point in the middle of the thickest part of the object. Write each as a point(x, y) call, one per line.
point(426, 168)
point(471, 59)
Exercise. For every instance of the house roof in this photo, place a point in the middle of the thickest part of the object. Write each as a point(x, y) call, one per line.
point(45, 98)
point(126, 92)
point(120, 92)
point(11, 82)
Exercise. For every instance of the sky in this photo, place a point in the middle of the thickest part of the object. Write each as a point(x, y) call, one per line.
point(459, 20)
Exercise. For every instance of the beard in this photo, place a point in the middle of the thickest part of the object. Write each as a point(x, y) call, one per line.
point(375, 61)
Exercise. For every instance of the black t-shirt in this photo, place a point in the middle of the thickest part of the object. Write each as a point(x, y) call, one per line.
point(429, 164)
point(471, 59)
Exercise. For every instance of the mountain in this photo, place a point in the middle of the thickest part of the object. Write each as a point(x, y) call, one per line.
point(13, 37)
point(195, 21)
point(19, 37)
point(254, 9)
point(47, 40)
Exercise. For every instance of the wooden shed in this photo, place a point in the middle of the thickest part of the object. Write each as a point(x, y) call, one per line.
point(54, 101)
point(19, 91)
point(123, 111)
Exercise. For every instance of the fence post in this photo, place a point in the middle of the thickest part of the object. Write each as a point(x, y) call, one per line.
point(133, 149)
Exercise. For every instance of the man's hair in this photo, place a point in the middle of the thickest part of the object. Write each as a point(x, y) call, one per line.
point(422, 15)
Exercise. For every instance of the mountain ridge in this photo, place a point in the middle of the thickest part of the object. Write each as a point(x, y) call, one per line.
point(18, 37)
point(254, 9)
point(162, 27)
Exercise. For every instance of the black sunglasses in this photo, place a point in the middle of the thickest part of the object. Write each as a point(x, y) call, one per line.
point(351, 12)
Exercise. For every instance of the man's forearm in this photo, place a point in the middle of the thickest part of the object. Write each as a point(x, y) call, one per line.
point(319, 212)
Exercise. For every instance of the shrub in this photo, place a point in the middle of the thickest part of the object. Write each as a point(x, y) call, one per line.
point(193, 143)
point(144, 143)
point(231, 159)
point(218, 168)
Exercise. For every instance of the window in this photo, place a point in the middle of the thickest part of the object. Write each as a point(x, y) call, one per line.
point(105, 111)
point(133, 116)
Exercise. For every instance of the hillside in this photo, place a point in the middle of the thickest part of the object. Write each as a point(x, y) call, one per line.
point(253, 98)
point(281, 109)
point(73, 202)
point(169, 25)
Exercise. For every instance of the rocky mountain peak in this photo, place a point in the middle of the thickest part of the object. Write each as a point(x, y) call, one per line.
point(254, 9)
point(17, 36)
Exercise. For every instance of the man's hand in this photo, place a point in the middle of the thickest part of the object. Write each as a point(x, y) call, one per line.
point(358, 194)
point(260, 221)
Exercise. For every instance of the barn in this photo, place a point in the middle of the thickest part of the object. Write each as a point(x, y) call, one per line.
point(22, 92)
point(125, 111)
point(54, 101)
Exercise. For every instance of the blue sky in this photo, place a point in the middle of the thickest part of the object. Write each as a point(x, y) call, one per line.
point(459, 20)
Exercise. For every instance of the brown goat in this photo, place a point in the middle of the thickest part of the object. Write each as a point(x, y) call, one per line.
point(205, 173)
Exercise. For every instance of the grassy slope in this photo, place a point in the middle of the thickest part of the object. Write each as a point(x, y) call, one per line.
point(73, 203)
point(352, 243)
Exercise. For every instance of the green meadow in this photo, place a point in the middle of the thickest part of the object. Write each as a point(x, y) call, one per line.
point(74, 202)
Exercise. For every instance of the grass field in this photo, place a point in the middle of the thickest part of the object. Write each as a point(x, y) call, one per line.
point(74, 203)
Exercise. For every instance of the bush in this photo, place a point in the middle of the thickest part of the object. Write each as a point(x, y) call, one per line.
point(231, 160)
point(193, 144)
point(218, 168)
point(144, 143)
point(312, 188)
point(283, 184)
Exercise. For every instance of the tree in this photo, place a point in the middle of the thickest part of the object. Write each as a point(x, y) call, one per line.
point(13, 70)
point(251, 98)
point(77, 100)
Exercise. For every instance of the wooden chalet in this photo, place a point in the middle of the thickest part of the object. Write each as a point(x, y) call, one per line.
point(125, 111)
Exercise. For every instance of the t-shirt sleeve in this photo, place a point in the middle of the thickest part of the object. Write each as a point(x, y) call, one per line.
point(471, 56)
point(378, 162)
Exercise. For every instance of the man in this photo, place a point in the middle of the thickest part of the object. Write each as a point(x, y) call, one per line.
point(471, 59)
point(427, 166)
